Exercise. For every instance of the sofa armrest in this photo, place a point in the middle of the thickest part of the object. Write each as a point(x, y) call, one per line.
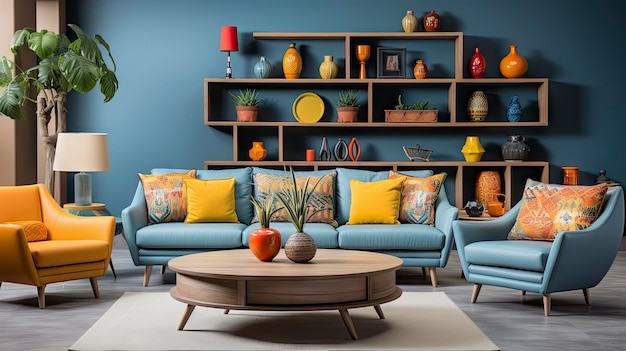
point(16, 263)
point(135, 217)
point(445, 215)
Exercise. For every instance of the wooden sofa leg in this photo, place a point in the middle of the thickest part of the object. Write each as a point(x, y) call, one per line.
point(423, 271)
point(433, 276)
point(547, 304)
point(94, 287)
point(586, 295)
point(146, 275)
point(41, 296)
point(475, 292)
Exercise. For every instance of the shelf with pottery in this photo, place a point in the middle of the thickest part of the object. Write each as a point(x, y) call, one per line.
point(460, 171)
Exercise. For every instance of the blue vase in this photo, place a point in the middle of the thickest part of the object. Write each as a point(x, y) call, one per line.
point(514, 111)
point(263, 68)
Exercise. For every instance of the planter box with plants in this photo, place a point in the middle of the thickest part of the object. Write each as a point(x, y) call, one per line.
point(420, 111)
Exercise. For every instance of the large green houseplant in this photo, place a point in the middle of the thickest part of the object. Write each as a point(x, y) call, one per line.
point(63, 66)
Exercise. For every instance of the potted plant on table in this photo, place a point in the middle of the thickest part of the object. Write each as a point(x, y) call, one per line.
point(420, 111)
point(247, 105)
point(62, 66)
point(265, 242)
point(300, 247)
point(347, 106)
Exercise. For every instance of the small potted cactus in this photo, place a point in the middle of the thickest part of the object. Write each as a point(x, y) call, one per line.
point(247, 105)
point(347, 106)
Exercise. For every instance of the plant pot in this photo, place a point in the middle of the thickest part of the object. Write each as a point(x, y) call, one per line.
point(347, 114)
point(300, 248)
point(265, 243)
point(411, 116)
point(247, 113)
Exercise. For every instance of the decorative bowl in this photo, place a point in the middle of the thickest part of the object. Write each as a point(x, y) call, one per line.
point(474, 208)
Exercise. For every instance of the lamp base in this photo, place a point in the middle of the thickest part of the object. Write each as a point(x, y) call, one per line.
point(82, 189)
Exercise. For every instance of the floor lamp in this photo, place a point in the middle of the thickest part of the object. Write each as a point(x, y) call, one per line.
point(82, 152)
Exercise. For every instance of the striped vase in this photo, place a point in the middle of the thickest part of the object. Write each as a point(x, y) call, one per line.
point(328, 68)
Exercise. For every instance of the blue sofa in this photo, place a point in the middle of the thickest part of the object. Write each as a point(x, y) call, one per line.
point(418, 245)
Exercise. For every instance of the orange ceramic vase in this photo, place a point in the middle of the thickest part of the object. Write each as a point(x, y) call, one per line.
point(292, 62)
point(488, 184)
point(257, 152)
point(513, 65)
point(420, 71)
point(265, 243)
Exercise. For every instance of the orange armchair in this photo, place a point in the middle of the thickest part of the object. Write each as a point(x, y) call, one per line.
point(75, 247)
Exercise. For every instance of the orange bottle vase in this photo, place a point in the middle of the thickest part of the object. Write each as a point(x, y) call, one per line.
point(488, 183)
point(513, 65)
point(257, 152)
point(292, 62)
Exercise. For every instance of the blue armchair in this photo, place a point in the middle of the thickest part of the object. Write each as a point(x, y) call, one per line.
point(574, 260)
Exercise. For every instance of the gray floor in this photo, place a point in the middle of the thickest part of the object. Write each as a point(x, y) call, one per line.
point(500, 313)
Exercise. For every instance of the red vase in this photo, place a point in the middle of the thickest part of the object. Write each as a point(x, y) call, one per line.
point(432, 22)
point(354, 149)
point(477, 64)
point(265, 243)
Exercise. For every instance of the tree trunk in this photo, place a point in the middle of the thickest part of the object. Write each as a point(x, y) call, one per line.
point(50, 104)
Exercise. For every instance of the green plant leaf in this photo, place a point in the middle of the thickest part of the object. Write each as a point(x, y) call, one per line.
point(6, 71)
point(43, 43)
point(11, 101)
point(106, 46)
point(19, 38)
point(108, 84)
point(85, 45)
point(82, 74)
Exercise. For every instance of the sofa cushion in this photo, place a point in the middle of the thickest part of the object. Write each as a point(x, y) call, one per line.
point(375, 202)
point(53, 253)
point(322, 199)
point(344, 195)
point(419, 197)
point(324, 235)
point(211, 201)
point(548, 209)
point(165, 196)
point(525, 255)
point(33, 230)
point(390, 237)
point(178, 235)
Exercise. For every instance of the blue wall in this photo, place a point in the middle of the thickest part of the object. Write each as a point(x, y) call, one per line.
point(164, 49)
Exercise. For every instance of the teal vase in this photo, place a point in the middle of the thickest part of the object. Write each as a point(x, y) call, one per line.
point(263, 68)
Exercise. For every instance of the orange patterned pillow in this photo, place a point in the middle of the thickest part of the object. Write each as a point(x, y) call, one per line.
point(419, 197)
point(33, 230)
point(548, 209)
point(166, 196)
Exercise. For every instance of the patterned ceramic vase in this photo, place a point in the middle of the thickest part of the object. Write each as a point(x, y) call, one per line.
point(515, 148)
point(477, 106)
point(328, 68)
point(300, 247)
point(257, 152)
point(514, 111)
point(513, 65)
point(292, 62)
point(477, 64)
point(432, 22)
point(263, 68)
point(472, 150)
point(420, 71)
point(488, 183)
point(409, 22)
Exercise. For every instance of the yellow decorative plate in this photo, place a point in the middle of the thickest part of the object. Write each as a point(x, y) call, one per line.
point(308, 108)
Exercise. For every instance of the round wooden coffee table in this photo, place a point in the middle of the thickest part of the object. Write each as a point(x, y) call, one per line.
point(332, 280)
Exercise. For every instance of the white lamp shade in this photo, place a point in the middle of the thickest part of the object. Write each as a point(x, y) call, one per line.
point(82, 152)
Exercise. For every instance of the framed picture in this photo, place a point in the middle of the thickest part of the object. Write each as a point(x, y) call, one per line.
point(391, 62)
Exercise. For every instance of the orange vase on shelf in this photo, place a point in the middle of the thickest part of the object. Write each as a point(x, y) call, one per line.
point(292, 62)
point(257, 152)
point(488, 184)
point(420, 71)
point(513, 65)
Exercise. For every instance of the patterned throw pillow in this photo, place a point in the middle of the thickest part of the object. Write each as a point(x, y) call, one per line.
point(548, 209)
point(322, 198)
point(375, 202)
point(419, 197)
point(166, 196)
point(33, 230)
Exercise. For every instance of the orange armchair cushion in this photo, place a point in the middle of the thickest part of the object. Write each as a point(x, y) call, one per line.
point(33, 230)
point(54, 253)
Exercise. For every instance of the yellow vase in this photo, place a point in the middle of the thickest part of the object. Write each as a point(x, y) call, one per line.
point(292, 62)
point(257, 151)
point(328, 68)
point(472, 150)
point(513, 65)
point(409, 22)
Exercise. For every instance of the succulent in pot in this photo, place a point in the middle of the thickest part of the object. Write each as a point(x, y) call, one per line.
point(347, 106)
point(265, 242)
point(247, 105)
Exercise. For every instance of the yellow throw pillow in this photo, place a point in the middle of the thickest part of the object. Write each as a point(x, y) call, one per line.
point(375, 202)
point(33, 230)
point(165, 196)
point(210, 201)
point(548, 209)
point(419, 197)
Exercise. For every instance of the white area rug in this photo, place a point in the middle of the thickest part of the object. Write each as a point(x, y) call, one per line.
point(416, 321)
